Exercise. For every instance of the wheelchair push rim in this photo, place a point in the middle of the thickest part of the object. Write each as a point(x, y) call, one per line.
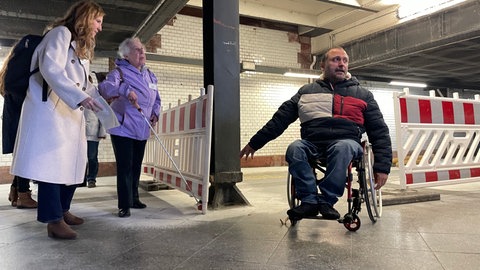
point(372, 197)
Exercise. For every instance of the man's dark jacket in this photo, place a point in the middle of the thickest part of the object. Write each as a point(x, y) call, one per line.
point(328, 113)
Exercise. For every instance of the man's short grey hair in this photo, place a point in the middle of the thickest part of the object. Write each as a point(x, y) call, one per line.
point(126, 45)
point(325, 55)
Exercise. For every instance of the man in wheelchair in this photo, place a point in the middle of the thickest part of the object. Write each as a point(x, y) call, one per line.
point(334, 112)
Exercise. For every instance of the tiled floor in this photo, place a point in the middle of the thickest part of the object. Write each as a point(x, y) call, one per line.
point(171, 234)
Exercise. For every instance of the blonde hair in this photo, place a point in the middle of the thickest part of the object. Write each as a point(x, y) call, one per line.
point(3, 71)
point(78, 20)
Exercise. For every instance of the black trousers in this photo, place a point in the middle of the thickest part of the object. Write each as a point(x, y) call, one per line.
point(22, 184)
point(92, 155)
point(128, 156)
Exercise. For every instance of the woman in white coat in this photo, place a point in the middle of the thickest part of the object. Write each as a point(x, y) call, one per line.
point(51, 146)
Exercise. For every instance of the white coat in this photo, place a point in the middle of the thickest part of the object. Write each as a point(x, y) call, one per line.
point(51, 145)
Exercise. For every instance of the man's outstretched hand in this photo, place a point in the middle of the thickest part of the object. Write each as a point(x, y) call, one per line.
point(247, 151)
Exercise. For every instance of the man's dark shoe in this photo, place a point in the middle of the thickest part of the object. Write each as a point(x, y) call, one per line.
point(124, 212)
point(138, 205)
point(304, 210)
point(91, 184)
point(327, 211)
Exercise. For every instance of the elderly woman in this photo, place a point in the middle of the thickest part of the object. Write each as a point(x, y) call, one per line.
point(130, 85)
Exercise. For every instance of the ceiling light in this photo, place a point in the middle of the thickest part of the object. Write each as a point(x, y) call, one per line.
point(415, 8)
point(411, 84)
point(307, 73)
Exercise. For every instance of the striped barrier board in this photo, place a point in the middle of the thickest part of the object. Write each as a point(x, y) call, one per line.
point(185, 132)
point(438, 140)
point(439, 111)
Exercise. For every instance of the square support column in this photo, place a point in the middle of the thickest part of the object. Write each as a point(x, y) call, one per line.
point(222, 70)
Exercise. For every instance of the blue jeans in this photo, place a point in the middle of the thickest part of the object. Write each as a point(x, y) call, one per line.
point(53, 201)
point(338, 156)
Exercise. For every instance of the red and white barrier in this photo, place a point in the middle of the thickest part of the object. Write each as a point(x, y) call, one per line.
point(185, 131)
point(438, 140)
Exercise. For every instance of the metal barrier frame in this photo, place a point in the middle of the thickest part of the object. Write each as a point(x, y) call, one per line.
point(185, 131)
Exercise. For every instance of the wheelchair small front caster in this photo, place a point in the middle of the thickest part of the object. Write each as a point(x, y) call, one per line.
point(351, 222)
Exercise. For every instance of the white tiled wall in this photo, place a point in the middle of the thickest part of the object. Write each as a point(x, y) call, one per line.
point(260, 97)
point(268, 47)
point(183, 39)
point(260, 94)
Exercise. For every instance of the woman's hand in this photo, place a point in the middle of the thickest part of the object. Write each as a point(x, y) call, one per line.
point(153, 120)
point(91, 104)
point(132, 97)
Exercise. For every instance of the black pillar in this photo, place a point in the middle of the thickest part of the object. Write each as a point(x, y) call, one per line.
point(222, 70)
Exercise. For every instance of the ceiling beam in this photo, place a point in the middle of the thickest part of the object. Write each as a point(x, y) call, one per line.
point(124, 4)
point(268, 13)
point(158, 17)
point(347, 3)
point(371, 24)
point(418, 35)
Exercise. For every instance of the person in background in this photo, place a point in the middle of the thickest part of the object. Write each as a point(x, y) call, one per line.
point(20, 195)
point(131, 86)
point(334, 112)
point(51, 146)
point(95, 132)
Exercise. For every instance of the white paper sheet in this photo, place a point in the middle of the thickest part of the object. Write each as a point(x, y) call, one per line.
point(106, 116)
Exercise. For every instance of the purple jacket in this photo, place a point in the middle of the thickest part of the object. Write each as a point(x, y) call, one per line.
point(144, 83)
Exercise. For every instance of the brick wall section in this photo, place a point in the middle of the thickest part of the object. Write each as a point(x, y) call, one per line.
point(305, 55)
point(154, 43)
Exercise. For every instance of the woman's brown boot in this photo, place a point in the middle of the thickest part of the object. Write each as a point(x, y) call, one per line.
point(71, 219)
point(25, 200)
point(13, 196)
point(60, 230)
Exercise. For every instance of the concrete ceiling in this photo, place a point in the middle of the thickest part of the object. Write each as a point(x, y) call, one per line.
point(442, 49)
point(125, 18)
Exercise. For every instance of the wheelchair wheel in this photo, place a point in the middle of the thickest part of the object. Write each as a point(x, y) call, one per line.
point(352, 222)
point(379, 203)
point(372, 197)
point(293, 201)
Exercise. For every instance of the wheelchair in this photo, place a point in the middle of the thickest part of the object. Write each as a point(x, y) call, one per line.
point(365, 193)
